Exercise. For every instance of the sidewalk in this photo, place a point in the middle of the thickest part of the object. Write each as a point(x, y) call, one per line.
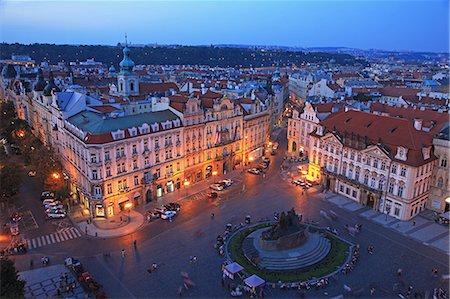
point(420, 228)
point(119, 225)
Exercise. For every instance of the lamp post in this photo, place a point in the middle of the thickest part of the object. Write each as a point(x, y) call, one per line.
point(214, 173)
point(186, 184)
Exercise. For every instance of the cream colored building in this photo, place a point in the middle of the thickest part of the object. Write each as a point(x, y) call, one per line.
point(378, 161)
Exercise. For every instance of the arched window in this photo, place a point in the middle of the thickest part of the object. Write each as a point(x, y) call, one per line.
point(132, 86)
point(120, 86)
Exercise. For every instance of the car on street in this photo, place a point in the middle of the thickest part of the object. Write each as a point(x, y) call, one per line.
point(56, 214)
point(297, 182)
point(168, 214)
point(173, 206)
point(254, 171)
point(16, 217)
point(47, 195)
point(46, 202)
point(54, 205)
point(160, 210)
point(226, 182)
point(266, 160)
point(31, 173)
point(216, 186)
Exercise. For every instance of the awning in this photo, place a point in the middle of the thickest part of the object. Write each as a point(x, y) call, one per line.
point(254, 281)
point(232, 269)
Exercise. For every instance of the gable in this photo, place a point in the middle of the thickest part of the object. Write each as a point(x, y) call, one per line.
point(376, 151)
point(330, 137)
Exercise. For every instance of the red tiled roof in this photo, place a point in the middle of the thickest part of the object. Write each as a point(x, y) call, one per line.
point(178, 105)
point(211, 95)
point(323, 108)
point(342, 76)
point(397, 92)
point(151, 88)
point(104, 108)
point(178, 98)
point(390, 131)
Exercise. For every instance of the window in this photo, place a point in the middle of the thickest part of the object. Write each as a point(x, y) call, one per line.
point(421, 170)
point(372, 182)
point(93, 158)
point(107, 157)
point(94, 174)
point(375, 163)
point(347, 191)
point(368, 161)
point(394, 169)
point(391, 187)
point(381, 184)
point(146, 161)
point(178, 166)
point(98, 190)
point(400, 191)
point(357, 175)
point(156, 157)
point(352, 155)
point(358, 159)
point(158, 173)
point(444, 162)
point(341, 188)
point(383, 165)
point(366, 179)
point(136, 180)
point(108, 171)
point(344, 169)
point(134, 149)
point(354, 194)
point(403, 172)
point(397, 210)
point(135, 164)
point(109, 188)
point(440, 182)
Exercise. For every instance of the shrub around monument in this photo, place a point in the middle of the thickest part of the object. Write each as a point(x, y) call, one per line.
point(335, 259)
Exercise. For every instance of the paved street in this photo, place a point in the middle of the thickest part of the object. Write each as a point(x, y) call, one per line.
point(193, 232)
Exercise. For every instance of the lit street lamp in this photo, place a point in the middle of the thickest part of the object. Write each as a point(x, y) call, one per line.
point(214, 173)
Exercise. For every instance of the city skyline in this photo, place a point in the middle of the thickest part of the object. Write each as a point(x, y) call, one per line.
point(388, 26)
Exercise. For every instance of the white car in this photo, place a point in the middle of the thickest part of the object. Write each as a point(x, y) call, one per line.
point(216, 186)
point(226, 182)
point(254, 170)
point(56, 214)
point(54, 205)
point(47, 202)
point(168, 214)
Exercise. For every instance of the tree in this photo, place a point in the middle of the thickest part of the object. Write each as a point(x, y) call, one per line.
point(11, 285)
point(10, 180)
point(360, 97)
point(283, 221)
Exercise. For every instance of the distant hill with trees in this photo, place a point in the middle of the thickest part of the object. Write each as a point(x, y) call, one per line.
point(173, 55)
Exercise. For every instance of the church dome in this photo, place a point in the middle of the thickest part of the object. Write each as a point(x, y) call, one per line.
point(126, 65)
point(112, 69)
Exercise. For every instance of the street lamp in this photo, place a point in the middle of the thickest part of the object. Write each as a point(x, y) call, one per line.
point(55, 175)
point(214, 173)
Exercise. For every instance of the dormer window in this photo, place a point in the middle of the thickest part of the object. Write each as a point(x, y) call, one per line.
point(132, 131)
point(426, 152)
point(401, 153)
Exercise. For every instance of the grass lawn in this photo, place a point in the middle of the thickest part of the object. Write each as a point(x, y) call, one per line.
point(335, 258)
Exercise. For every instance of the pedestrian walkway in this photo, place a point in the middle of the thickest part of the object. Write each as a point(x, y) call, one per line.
point(61, 236)
point(44, 283)
point(420, 228)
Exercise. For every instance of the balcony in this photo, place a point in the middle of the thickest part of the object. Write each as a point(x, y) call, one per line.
point(146, 149)
point(169, 174)
point(168, 144)
point(120, 157)
point(134, 153)
point(107, 160)
point(95, 163)
point(123, 190)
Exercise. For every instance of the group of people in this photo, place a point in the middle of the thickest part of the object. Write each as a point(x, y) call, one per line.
point(45, 260)
point(351, 264)
point(66, 286)
point(15, 248)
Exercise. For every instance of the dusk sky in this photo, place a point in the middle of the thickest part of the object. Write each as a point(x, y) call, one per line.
point(390, 25)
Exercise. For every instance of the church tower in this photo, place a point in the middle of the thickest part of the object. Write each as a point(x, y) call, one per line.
point(127, 80)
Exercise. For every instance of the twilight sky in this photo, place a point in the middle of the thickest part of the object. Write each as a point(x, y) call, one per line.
point(392, 25)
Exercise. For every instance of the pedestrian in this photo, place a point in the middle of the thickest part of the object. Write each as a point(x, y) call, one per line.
point(58, 291)
point(414, 223)
point(66, 278)
point(123, 253)
point(85, 230)
point(434, 271)
point(180, 291)
point(399, 272)
point(223, 280)
point(154, 266)
point(134, 243)
point(72, 288)
point(121, 218)
point(372, 291)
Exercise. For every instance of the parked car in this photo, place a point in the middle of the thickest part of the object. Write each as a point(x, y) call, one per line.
point(216, 186)
point(297, 182)
point(153, 214)
point(160, 210)
point(168, 214)
point(54, 205)
point(47, 195)
point(266, 160)
point(31, 173)
point(46, 202)
point(254, 170)
point(16, 217)
point(56, 214)
point(173, 206)
point(226, 182)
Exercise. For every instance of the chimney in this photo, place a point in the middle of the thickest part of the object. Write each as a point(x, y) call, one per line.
point(418, 124)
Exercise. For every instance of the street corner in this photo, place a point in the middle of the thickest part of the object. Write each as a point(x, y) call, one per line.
point(116, 226)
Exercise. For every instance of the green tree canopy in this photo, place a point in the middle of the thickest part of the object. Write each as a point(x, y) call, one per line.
point(11, 285)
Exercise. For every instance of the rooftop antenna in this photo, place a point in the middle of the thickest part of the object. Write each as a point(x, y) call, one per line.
point(126, 40)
